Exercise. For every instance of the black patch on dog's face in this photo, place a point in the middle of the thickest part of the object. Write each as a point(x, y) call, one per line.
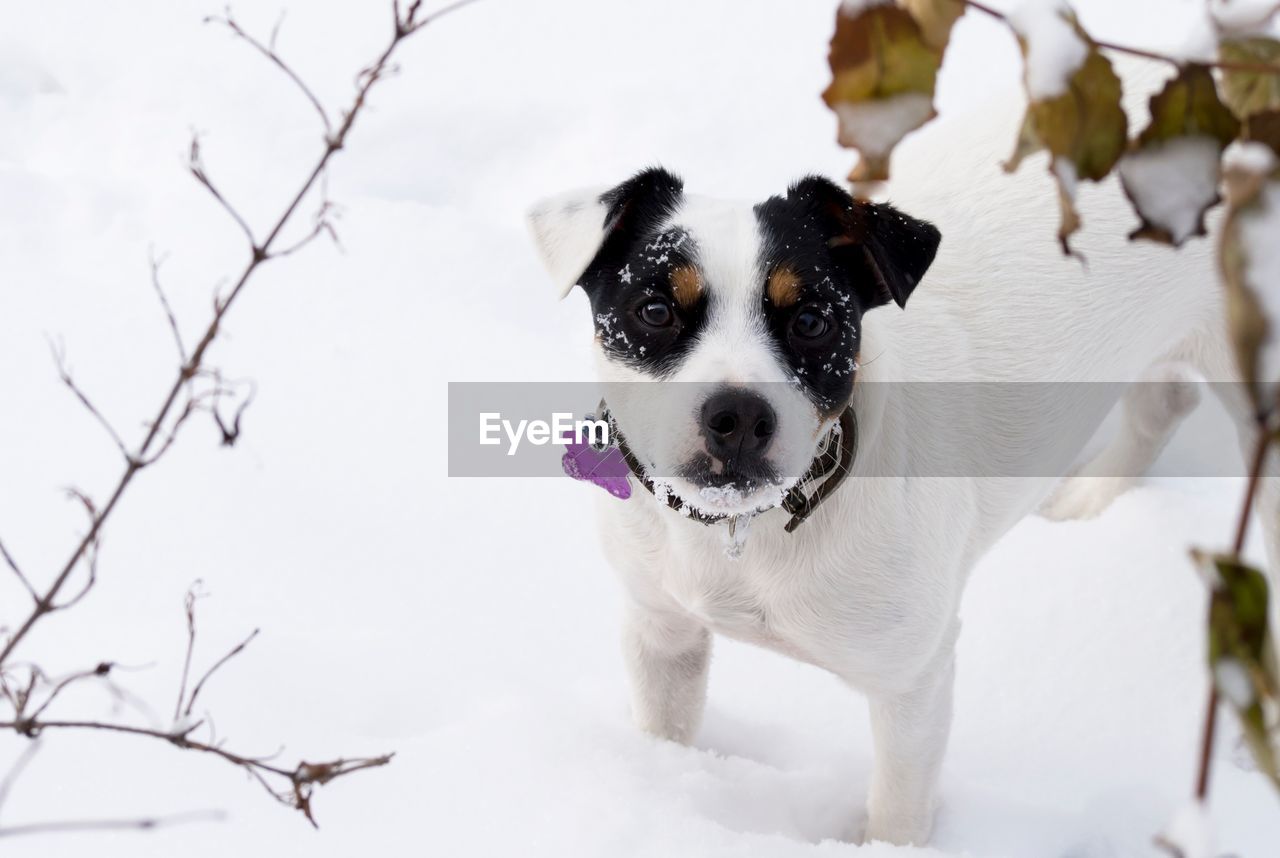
point(635, 274)
point(827, 260)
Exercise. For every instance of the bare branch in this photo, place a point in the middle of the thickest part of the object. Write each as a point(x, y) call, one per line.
point(189, 604)
point(411, 25)
point(236, 650)
point(196, 164)
point(302, 779)
point(188, 408)
point(231, 434)
point(64, 373)
point(17, 570)
point(164, 303)
point(89, 556)
point(103, 669)
point(322, 227)
point(269, 51)
point(1209, 730)
point(24, 686)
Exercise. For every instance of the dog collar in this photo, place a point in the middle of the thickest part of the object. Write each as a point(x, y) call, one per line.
point(608, 467)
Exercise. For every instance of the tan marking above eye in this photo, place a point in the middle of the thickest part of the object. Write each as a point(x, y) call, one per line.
point(686, 286)
point(783, 288)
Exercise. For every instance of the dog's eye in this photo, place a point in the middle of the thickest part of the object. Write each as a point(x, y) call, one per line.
point(656, 314)
point(809, 324)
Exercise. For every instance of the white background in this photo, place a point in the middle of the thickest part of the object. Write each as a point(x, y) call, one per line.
point(471, 625)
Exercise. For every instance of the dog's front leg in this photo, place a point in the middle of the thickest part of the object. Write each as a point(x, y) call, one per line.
point(667, 655)
point(910, 732)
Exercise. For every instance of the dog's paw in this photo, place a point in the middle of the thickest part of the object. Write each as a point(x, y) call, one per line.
point(1083, 497)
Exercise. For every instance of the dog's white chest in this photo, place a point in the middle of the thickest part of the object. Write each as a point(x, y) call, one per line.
point(740, 614)
point(749, 599)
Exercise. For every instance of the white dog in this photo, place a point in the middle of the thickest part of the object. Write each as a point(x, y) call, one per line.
point(779, 315)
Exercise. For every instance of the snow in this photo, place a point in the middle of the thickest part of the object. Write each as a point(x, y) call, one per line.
point(854, 7)
point(472, 626)
point(1239, 18)
point(1249, 156)
point(1054, 51)
point(1172, 182)
point(1191, 832)
point(1234, 682)
point(875, 126)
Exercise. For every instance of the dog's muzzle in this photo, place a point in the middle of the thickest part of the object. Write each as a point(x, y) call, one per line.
point(752, 427)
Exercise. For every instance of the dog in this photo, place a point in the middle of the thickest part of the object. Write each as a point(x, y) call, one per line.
point(767, 321)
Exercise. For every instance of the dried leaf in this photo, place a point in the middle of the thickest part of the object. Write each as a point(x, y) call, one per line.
point(1084, 129)
point(936, 18)
point(883, 72)
point(1264, 127)
point(1188, 105)
point(1250, 92)
point(1171, 170)
point(1242, 659)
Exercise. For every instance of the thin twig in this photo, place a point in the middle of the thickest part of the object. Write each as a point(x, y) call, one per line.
point(301, 779)
point(164, 304)
point(190, 607)
point(17, 570)
point(269, 51)
point(413, 26)
point(231, 433)
point(143, 824)
point(196, 165)
point(90, 556)
point(236, 650)
point(101, 670)
point(64, 373)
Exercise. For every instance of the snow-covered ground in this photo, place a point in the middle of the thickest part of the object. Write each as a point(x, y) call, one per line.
point(470, 625)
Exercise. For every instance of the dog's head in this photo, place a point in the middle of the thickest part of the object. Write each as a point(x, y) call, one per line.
point(750, 314)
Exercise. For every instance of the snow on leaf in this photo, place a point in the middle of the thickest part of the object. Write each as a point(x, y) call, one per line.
point(1241, 17)
point(1171, 171)
point(1074, 107)
point(1171, 185)
point(883, 71)
point(1250, 92)
point(1249, 257)
point(1052, 43)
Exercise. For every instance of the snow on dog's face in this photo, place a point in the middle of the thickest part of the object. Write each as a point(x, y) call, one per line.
point(749, 315)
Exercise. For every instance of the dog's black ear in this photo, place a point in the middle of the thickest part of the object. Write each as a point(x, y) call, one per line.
point(574, 230)
point(885, 251)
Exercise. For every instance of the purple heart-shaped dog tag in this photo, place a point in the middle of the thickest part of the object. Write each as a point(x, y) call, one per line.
point(605, 468)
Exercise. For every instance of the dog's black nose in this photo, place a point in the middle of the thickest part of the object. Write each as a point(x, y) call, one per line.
point(738, 426)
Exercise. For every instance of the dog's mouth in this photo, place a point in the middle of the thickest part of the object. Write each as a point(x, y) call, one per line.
point(713, 486)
